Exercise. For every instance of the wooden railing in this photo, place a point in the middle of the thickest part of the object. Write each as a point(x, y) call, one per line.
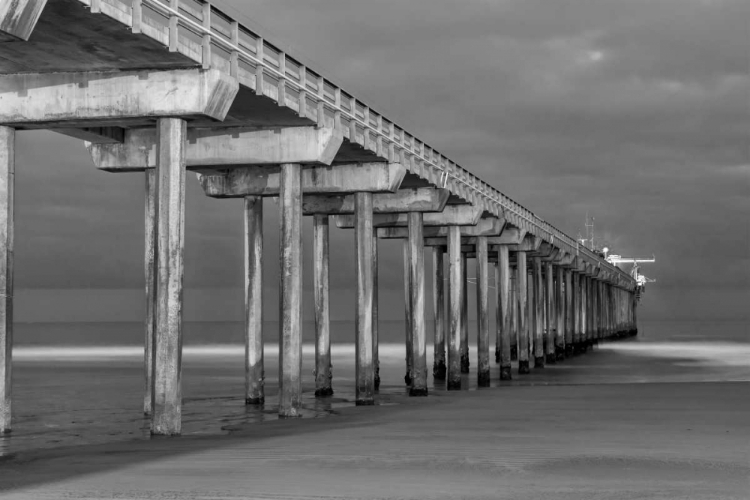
point(208, 36)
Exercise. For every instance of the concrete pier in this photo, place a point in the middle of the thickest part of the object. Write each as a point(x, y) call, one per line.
point(290, 290)
point(254, 368)
point(375, 320)
point(539, 302)
point(465, 363)
point(560, 308)
point(438, 295)
point(365, 373)
point(455, 286)
point(150, 272)
point(323, 368)
point(170, 209)
point(7, 186)
point(416, 293)
point(483, 317)
point(408, 334)
point(550, 314)
point(506, 311)
point(523, 313)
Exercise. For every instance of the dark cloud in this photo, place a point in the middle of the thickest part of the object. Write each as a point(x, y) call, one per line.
point(635, 112)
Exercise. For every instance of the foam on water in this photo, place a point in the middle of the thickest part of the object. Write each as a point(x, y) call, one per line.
point(712, 353)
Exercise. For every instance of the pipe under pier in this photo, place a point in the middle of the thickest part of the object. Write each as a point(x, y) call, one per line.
point(164, 89)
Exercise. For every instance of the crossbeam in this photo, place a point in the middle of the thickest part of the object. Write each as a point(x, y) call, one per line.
point(18, 18)
point(452, 215)
point(403, 200)
point(264, 181)
point(55, 100)
point(214, 149)
point(485, 227)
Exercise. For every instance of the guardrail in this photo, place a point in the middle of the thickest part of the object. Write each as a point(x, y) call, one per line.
point(202, 32)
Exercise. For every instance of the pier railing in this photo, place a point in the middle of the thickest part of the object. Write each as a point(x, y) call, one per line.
point(202, 32)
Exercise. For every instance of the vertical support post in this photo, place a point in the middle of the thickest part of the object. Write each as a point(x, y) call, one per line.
point(7, 188)
point(454, 307)
point(375, 333)
point(584, 312)
point(150, 275)
point(538, 314)
point(407, 313)
point(576, 313)
point(166, 417)
point(504, 319)
point(498, 313)
point(438, 298)
point(560, 309)
point(515, 331)
point(416, 288)
point(569, 314)
point(323, 371)
point(365, 375)
point(550, 313)
point(483, 317)
point(523, 311)
point(465, 363)
point(254, 365)
point(290, 290)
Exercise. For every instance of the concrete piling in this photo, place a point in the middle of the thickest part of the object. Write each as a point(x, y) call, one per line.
point(323, 368)
point(416, 289)
point(539, 302)
point(560, 308)
point(523, 314)
point(7, 188)
point(254, 366)
point(551, 319)
point(365, 374)
point(465, 363)
point(505, 310)
point(408, 317)
point(375, 325)
point(455, 284)
point(483, 318)
point(150, 272)
point(438, 296)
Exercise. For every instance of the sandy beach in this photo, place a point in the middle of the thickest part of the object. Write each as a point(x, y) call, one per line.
point(629, 420)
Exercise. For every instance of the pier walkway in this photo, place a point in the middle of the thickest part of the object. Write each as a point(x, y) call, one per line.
point(158, 88)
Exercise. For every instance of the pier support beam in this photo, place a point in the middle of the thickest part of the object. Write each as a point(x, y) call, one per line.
point(7, 186)
point(483, 317)
point(538, 306)
point(416, 289)
point(576, 313)
point(375, 331)
point(323, 373)
point(166, 418)
point(254, 369)
point(150, 275)
point(569, 314)
point(438, 297)
point(365, 374)
point(408, 317)
point(560, 308)
point(455, 284)
point(523, 313)
point(290, 290)
point(465, 363)
point(504, 319)
point(550, 316)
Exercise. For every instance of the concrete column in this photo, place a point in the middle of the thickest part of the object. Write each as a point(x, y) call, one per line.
point(483, 317)
point(375, 332)
point(514, 333)
point(455, 284)
point(254, 366)
point(504, 318)
point(569, 313)
point(416, 289)
point(585, 313)
point(539, 301)
point(576, 313)
point(560, 313)
point(523, 311)
point(323, 368)
point(438, 300)
point(408, 316)
point(166, 417)
point(550, 316)
point(465, 363)
point(7, 186)
point(290, 290)
point(365, 374)
point(150, 272)
point(531, 308)
point(498, 313)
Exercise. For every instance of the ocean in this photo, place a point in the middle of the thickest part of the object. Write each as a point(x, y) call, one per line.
point(82, 383)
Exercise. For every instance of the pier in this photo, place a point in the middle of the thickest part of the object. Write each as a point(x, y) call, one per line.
point(170, 89)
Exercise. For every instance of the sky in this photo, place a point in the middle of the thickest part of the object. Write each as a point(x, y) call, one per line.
point(636, 113)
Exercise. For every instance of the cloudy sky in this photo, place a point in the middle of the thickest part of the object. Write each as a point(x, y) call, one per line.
point(635, 112)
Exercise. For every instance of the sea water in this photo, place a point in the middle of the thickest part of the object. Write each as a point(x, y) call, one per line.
point(83, 383)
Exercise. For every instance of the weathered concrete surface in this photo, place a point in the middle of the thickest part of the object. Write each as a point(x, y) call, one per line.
point(7, 187)
point(214, 149)
point(438, 308)
point(265, 181)
point(290, 290)
point(504, 320)
point(403, 200)
point(523, 313)
point(321, 295)
point(150, 272)
point(18, 18)
point(538, 306)
point(375, 321)
point(417, 300)
point(408, 333)
point(452, 215)
point(254, 368)
point(166, 418)
point(483, 317)
point(363, 236)
point(43, 100)
point(455, 284)
point(464, 346)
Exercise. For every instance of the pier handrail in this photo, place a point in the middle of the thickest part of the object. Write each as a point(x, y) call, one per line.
point(192, 27)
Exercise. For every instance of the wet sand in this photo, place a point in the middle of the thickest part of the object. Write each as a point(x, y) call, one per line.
point(622, 422)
